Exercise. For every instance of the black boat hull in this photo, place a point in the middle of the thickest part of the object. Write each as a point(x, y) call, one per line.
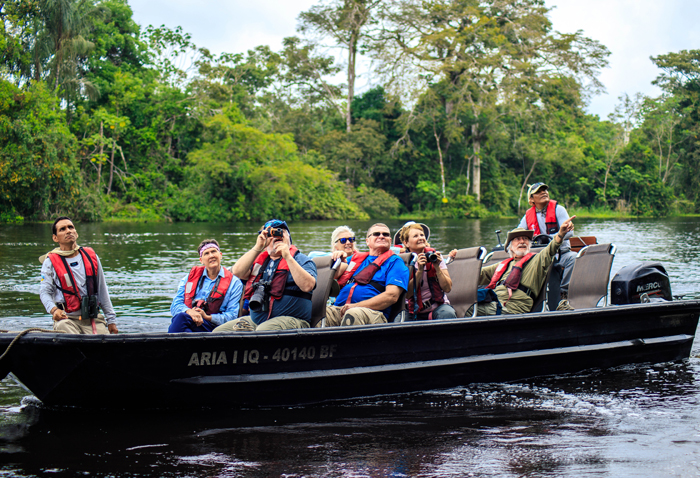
point(306, 366)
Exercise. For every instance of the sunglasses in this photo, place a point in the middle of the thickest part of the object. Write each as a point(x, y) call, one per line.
point(346, 239)
point(377, 234)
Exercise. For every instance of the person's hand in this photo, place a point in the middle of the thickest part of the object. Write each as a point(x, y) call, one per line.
point(439, 256)
point(453, 254)
point(58, 314)
point(263, 240)
point(196, 316)
point(203, 314)
point(342, 255)
point(282, 249)
point(345, 308)
point(421, 260)
point(113, 329)
point(566, 227)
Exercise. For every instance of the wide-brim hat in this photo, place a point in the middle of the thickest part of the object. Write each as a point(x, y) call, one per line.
point(534, 188)
point(397, 236)
point(518, 232)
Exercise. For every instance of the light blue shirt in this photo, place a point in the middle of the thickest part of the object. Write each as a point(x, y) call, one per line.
point(229, 307)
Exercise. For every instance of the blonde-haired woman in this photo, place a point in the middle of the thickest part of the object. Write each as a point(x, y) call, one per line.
point(343, 239)
point(428, 300)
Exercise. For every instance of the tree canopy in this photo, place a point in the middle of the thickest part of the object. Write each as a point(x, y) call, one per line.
point(473, 100)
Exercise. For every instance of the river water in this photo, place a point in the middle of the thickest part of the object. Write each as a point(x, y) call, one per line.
point(639, 420)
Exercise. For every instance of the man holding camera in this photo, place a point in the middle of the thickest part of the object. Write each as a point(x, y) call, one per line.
point(73, 286)
point(280, 281)
point(376, 281)
point(208, 296)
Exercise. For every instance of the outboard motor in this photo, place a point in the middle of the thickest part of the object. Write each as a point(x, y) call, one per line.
point(640, 279)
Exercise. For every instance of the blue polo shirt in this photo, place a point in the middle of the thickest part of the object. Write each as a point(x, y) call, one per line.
point(392, 272)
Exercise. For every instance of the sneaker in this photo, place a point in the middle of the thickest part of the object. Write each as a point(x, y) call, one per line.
point(564, 305)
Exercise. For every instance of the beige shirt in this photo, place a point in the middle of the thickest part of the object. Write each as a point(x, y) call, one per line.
point(533, 278)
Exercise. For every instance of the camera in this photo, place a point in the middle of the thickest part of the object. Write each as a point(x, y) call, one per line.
point(258, 301)
point(431, 257)
point(88, 307)
point(277, 232)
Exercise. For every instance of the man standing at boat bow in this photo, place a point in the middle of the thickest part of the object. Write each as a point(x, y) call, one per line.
point(544, 217)
point(518, 280)
point(208, 296)
point(75, 310)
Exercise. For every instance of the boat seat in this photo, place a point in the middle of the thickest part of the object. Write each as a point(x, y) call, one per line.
point(398, 310)
point(591, 274)
point(540, 303)
point(465, 271)
point(325, 276)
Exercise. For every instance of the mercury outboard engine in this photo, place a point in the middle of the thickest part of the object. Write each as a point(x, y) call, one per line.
point(638, 279)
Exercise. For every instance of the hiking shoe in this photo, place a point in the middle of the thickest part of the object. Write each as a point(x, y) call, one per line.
point(243, 326)
point(564, 305)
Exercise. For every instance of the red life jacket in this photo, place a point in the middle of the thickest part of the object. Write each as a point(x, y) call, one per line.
point(437, 295)
point(550, 219)
point(212, 304)
point(67, 282)
point(364, 276)
point(278, 288)
point(513, 283)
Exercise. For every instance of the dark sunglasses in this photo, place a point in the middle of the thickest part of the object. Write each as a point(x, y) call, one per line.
point(377, 234)
point(346, 239)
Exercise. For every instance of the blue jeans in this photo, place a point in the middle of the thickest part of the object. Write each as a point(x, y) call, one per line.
point(444, 311)
point(182, 322)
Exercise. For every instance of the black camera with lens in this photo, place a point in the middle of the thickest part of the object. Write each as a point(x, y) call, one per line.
point(277, 232)
point(88, 307)
point(261, 296)
point(431, 257)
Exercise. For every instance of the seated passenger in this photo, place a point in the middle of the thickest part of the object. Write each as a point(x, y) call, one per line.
point(342, 239)
point(430, 273)
point(280, 281)
point(371, 282)
point(206, 300)
point(544, 217)
point(518, 280)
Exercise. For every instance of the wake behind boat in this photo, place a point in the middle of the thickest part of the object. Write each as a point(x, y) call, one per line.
point(297, 367)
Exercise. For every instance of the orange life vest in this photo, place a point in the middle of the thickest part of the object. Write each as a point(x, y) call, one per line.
point(512, 282)
point(364, 276)
point(67, 282)
point(278, 287)
point(212, 303)
point(550, 219)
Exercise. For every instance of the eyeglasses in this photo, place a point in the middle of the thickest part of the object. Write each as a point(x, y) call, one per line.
point(343, 240)
point(377, 234)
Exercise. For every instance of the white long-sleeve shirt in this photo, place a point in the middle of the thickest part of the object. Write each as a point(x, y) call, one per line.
point(50, 294)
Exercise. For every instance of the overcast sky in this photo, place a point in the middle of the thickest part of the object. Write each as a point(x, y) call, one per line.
point(633, 30)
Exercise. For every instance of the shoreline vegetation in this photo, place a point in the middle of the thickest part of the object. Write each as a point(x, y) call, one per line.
point(102, 119)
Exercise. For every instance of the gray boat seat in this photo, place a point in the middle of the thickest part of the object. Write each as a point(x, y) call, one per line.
point(325, 271)
point(398, 310)
point(591, 274)
point(465, 271)
point(540, 303)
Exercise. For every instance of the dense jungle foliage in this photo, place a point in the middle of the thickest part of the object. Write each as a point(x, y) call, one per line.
point(101, 118)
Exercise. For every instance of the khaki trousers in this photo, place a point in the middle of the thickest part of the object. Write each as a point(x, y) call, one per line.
point(354, 316)
point(74, 326)
point(246, 324)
